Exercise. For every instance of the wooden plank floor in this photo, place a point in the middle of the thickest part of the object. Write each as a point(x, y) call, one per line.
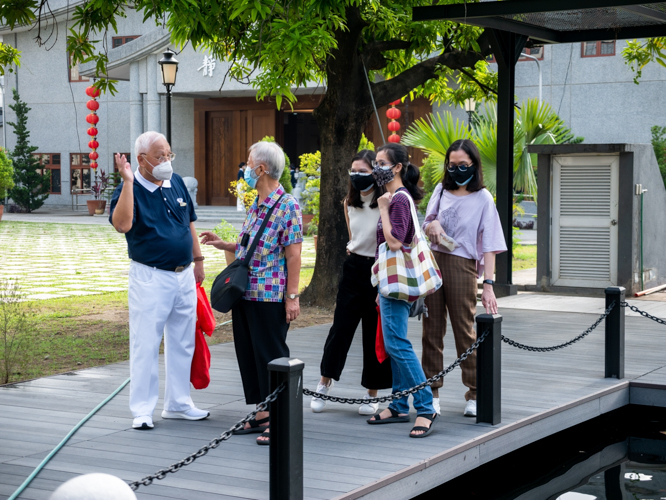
point(344, 457)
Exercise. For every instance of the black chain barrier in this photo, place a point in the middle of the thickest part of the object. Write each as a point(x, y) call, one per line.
point(406, 392)
point(162, 473)
point(643, 313)
point(513, 343)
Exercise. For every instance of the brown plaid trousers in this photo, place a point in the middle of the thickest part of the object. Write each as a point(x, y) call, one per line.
point(457, 295)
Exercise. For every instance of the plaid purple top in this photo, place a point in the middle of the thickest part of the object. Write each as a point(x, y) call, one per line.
point(268, 267)
point(402, 225)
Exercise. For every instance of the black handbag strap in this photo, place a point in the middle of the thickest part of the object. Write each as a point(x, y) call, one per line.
point(260, 233)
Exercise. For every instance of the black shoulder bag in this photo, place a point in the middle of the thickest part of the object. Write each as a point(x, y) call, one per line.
point(231, 284)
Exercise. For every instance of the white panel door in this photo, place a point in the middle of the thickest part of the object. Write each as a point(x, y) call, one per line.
point(584, 226)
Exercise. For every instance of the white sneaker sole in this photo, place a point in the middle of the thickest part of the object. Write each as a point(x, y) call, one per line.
point(177, 415)
point(314, 406)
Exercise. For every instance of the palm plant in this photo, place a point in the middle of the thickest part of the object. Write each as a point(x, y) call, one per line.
point(535, 123)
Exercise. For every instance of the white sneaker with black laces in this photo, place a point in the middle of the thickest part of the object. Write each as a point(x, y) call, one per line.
point(470, 408)
point(317, 404)
point(368, 408)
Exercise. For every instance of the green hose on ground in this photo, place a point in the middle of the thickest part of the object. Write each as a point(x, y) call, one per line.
point(62, 443)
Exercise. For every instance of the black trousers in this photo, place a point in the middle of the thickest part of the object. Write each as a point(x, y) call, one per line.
point(355, 304)
point(260, 336)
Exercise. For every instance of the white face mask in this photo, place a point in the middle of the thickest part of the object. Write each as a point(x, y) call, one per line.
point(163, 171)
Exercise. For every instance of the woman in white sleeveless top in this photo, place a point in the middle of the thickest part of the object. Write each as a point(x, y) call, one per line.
point(355, 302)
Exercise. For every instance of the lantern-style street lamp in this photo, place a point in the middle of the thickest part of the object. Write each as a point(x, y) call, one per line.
point(470, 107)
point(169, 66)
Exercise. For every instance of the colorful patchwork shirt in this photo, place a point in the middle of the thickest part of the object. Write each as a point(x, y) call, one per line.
point(268, 267)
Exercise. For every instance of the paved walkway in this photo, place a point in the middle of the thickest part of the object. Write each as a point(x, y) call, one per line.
point(344, 457)
point(63, 260)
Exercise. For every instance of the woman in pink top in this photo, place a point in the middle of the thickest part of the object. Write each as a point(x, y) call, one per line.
point(462, 209)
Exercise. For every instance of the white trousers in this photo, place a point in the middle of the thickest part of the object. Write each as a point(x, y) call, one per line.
point(161, 303)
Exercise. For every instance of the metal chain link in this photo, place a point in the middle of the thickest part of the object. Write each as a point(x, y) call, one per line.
point(513, 343)
point(643, 313)
point(162, 473)
point(406, 392)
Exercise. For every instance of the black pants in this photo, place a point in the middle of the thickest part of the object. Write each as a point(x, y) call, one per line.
point(355, 303)
point(260, 335)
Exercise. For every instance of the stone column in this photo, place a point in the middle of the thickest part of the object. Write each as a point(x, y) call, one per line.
point(152, 97)
point(136, 109)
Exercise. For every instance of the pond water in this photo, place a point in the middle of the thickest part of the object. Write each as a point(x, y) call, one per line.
point(618, 456)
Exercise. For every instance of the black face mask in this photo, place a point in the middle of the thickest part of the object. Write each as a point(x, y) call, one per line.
point(361, 182)
point(463, 178)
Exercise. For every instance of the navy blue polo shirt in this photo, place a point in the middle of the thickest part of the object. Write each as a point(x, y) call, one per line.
point(160, 236)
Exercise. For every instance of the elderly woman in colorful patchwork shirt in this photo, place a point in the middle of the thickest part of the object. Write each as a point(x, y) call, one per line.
point(261, 320)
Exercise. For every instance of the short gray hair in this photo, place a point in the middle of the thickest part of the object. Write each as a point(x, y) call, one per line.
point(145, 140)
point(271, 155)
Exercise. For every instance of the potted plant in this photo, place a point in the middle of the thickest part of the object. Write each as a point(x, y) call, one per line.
point(98, 205)
point(241, 189)
point(313, 229)
point(6, 178)
point(228, 233)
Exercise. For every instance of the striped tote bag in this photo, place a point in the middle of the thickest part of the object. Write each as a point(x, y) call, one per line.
point(409, 273)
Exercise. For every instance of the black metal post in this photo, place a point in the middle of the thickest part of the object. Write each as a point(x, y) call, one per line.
point(286, 449)
point(469, 120)
point(168, 114)
point(615, 333)
point(613, 479)
point(489, 370)
point(506, 47)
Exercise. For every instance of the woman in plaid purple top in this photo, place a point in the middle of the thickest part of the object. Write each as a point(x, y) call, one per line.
point(396, 228)
point(261, 320)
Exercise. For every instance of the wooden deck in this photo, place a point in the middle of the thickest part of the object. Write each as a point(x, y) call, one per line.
point(344, 457)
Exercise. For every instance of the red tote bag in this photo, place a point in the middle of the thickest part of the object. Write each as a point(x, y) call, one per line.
point(380, 350)
point(200, 371)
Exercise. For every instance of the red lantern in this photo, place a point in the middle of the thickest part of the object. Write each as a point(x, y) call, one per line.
point(93, 165)
point(92, 118)
point(94, 155)
point(92, 105)
point(93, 144)
point(394, 138)
point(394, 126)
point(395, 103)
point(92, 132)
point(393, 113)
point(92, 91)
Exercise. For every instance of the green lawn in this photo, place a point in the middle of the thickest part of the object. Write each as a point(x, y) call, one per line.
point(524, 257)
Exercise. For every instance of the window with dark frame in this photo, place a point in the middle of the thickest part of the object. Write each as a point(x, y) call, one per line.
point(74, 75)
point(117, 41)
point(600, 48)
point(80, 172)
point(50, 162)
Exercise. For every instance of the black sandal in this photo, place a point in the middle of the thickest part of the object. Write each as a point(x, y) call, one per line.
point(255, 426)
point(264, 442)
point(395, 418)
point(427, 430)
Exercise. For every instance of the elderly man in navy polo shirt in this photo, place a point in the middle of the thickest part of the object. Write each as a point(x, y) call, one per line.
point(153, 209)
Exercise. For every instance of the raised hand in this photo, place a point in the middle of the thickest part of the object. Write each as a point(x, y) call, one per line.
point(124, 168)
point(210, 238)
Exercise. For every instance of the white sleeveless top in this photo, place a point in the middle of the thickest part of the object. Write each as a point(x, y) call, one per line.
point(363, 226)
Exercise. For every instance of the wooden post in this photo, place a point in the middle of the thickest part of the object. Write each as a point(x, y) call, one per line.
point(489, 370)
point(615, 333)
point(286, 449)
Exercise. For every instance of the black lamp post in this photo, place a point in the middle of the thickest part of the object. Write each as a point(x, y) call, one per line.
point(470, 107)
point(169, 66)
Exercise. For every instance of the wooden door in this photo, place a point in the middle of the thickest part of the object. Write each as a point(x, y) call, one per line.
point(221, 156)
point(259, 124)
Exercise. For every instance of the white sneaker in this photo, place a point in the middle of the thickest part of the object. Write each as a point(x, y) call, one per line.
point(143, 423)
point(191, 414)
point(368, 408)
point(470, 408)
point(317, 404)
point(435, 405)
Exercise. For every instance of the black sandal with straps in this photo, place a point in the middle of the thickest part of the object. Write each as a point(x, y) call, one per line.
point(427, 430)
point(255, 426)
point(393, 419)
point(267, 438)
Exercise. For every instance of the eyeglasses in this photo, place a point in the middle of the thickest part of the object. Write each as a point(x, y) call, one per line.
point(351, 172)
point(381, 164)
point(162, 159)
point(451, 167)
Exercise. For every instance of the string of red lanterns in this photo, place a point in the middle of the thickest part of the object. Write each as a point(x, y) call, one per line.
point(393, 114)
point(93, 119)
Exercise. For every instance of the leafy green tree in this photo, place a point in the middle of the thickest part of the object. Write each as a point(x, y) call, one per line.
point(31, 188)
point(659, 145)
point(638, 54)
point(279, 45)
point(6, 175)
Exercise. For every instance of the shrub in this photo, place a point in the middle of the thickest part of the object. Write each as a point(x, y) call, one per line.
point(226, 231)
point(16, 330)
point(659, 145)
point(6, 174)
